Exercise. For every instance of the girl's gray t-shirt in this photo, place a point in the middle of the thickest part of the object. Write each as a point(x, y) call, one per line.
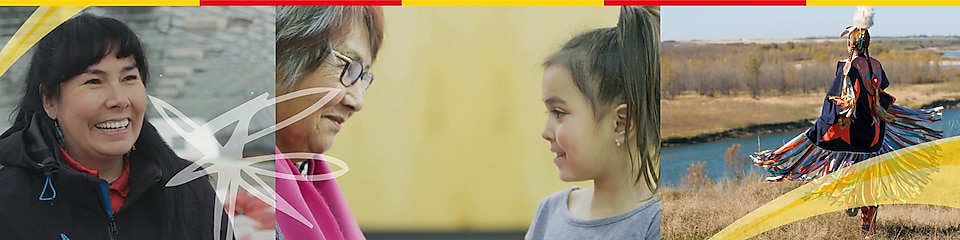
point(553, 221)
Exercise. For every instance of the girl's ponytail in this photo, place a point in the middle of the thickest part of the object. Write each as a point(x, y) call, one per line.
point(639, 37)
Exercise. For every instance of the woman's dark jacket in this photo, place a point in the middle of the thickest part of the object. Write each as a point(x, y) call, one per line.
point(43, 198)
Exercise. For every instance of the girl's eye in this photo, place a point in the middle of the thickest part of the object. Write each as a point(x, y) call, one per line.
point(557, 113)
point(92, 81)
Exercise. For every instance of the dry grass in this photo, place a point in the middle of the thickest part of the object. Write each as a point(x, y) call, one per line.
point(688, 115)
point(696, 175)
point(919, 222)
point(914, 96)
point(701, 213)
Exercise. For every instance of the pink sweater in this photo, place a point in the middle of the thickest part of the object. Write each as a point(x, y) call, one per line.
point(321, 202)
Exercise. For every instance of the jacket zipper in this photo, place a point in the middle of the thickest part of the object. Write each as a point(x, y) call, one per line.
point(113, 230)
point(105, 198)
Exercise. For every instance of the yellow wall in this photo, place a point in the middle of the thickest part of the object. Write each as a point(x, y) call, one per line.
point(449, 137)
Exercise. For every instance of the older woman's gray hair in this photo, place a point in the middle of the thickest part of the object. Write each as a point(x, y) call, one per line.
point(305, 34)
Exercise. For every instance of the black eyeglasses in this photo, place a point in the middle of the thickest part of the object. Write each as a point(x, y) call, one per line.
point(353, 71)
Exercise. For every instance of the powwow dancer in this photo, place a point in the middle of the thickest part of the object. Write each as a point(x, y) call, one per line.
point(859, 121)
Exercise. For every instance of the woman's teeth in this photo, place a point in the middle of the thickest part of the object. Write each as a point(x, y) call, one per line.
point(114, 124)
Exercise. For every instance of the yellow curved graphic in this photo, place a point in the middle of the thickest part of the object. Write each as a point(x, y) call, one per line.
point(41, 22)
point(921, 174)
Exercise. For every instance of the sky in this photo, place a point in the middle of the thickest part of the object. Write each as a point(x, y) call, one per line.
point(751, 23)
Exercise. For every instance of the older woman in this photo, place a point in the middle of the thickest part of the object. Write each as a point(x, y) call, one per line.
point(328, 47)
point(81, 161)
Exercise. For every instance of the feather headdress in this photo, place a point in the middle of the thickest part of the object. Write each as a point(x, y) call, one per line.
point(863, 19)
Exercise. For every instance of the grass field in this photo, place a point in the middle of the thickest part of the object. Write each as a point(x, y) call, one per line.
point(702, 212)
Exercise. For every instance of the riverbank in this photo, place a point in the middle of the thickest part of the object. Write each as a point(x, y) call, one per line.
point(692, 119)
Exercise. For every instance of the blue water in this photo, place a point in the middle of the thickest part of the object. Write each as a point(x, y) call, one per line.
point(955, 54)
point(675, 160)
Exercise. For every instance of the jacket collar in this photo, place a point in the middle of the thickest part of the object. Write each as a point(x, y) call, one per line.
point(30, 150)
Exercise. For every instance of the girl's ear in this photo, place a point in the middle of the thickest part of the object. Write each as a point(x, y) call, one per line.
point(623, 127)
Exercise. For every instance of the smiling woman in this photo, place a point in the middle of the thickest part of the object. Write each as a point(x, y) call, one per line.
point(101, 111)
point(319, 47)
point(86, 164)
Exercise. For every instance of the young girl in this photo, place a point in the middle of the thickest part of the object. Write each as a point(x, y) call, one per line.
point(859, 121)
point(602, 90)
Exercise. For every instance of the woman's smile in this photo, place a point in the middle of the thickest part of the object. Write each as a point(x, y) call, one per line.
point(114, 126)
point(337, 121)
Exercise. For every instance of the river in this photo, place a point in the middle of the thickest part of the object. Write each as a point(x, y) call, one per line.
point(676, 160)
